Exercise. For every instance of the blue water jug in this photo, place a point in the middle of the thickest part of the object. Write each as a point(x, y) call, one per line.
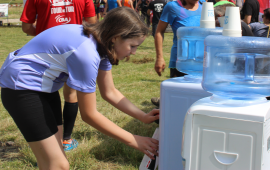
point(237, 67)
point(190, 49)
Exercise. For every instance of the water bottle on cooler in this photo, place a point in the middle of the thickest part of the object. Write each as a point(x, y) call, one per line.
point(190, 42)
point(236, 67)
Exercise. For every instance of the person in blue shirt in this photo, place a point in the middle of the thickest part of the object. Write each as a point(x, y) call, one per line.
point(81, 56)
point(180, 13)
point(113, 4)
point(184, 13)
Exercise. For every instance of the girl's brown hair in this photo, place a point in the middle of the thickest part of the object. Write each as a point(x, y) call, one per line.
point(119, 22)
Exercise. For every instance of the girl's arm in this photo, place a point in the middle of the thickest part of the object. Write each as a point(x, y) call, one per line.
point(29, 29)
point(160, 62)
point(118, 100)
point(119, 3)
point(138, 3)
point(89, 114)
point(106, 7)
point(131, 4)
point(90, 20)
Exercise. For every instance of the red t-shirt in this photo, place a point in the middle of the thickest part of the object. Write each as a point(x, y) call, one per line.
point(56, 12)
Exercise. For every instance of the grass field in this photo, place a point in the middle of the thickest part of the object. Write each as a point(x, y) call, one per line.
point(14, 12)
point(136, 79)
point(11, 1)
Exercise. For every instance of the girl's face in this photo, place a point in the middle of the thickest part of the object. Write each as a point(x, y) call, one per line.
point(125, 47)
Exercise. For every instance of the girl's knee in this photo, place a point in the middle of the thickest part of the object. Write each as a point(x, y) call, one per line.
point(64, 165)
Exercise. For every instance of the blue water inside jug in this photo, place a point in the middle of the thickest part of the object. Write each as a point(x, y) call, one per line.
point(237, 67)
point(190, 49)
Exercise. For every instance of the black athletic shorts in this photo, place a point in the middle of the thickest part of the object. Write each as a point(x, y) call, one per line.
point(97, 10)
point(37, 114)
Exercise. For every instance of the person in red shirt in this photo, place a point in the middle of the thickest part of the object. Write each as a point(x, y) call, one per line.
point(128, 3)
point(55, 12)
point(50, 13)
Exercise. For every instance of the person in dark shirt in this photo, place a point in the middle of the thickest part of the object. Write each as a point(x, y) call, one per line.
point(261, 29)
point(220, 12)
point(212, 1)
point(246, 31)
point(250, 11)
point(157, 8)
point(142, 5)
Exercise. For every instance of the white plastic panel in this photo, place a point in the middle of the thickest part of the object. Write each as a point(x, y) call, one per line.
point(225, 144)
point(171, 139)
point(266, 148)
point(208, 142)
point(176, 98)
point(243, 145)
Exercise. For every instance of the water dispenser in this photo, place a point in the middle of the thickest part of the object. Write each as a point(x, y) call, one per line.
point(177, 94)
point(231, 129)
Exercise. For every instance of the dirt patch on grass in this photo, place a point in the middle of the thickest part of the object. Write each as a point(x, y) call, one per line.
point(143, 60)
point(8, 153)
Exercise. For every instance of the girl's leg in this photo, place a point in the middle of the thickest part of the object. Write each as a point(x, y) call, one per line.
point(101, 15)
point(60, 132)
point(38, 116)
point(98, 15)
point(49, 153)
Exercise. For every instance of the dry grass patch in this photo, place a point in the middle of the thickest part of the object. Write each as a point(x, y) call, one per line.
point(142, 60)
point(9, 153)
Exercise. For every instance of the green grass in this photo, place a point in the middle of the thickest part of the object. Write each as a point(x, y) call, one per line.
point(11, 1)
point(15, 12)
point(138, 82)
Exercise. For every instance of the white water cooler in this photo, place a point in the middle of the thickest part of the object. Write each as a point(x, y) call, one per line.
point(177, 95)
point(232, 136)
point(231, 129)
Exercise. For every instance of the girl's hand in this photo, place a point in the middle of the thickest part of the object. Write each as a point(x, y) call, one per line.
point(151, 116)
point(148, 146)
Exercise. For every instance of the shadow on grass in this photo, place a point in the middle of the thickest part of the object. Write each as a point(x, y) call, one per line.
point(82, 134)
